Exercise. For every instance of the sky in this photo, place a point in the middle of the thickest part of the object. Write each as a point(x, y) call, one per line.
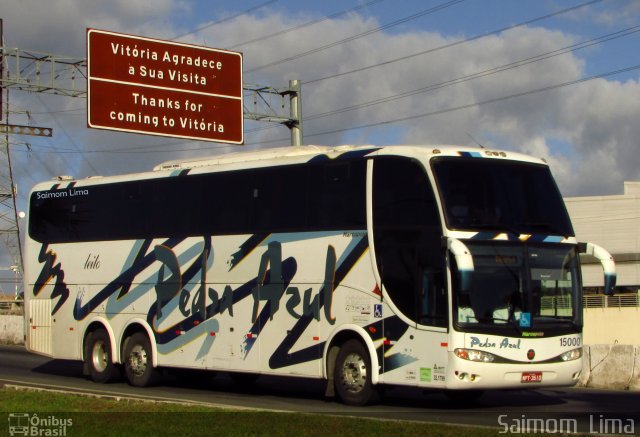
point(557, 79)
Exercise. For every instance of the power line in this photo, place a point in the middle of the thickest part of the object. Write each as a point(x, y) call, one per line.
point(307, 24)
point(366, 104)
point(453, 44)
point(467, 106)
point(59, 111)
point(484, 73)
point(446, 46)
point(42, 102)
point(428, 114)
point(132, 150)
point(230, 18)
point(407, 118)
point(360, 35)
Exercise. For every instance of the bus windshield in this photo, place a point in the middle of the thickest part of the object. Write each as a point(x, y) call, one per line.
point(515, 288)
point(499, 195)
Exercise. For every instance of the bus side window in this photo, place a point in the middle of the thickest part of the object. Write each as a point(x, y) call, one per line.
point(232, 200)
point(337, 195)
point(280, 199)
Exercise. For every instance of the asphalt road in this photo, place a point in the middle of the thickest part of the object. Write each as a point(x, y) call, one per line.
point(599, 411)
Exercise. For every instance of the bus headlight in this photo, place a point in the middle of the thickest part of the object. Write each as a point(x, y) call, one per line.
point(474, 355)
point(571, 355)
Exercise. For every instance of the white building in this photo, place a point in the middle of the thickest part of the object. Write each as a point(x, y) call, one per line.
point(612, 222)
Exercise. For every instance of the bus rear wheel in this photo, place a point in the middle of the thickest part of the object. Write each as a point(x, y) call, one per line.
point(352, 374)
point(98, 357)
point(138, 362)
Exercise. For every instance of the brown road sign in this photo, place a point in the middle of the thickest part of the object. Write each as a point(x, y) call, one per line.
point(158, 87)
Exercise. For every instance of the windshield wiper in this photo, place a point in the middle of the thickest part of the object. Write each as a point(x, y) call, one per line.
point(547, 226)
point(497, 227)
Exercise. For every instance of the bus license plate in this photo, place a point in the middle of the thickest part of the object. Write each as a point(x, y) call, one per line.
point(531, 377)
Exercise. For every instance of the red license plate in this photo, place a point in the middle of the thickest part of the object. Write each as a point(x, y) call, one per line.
point(531, 377)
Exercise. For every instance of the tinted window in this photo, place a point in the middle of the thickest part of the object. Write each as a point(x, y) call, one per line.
point(500, 195)
point(319, 196)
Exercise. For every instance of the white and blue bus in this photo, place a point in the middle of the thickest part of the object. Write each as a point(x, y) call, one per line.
point(435, 267)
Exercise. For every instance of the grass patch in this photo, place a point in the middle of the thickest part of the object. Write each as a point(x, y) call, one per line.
point(88, 416)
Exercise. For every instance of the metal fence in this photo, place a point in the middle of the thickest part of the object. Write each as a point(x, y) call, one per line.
point(626, 300)
point(11, 307)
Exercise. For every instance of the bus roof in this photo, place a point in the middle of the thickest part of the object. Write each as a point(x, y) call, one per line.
point(331, 151)
point(299, 154)
point(259, 155)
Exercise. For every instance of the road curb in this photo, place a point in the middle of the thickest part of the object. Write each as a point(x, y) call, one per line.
point(120, 397)
point(11, 329)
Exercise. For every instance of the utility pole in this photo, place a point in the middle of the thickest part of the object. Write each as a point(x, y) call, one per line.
point(9, 223)
point(9, 227)
point(295, 106)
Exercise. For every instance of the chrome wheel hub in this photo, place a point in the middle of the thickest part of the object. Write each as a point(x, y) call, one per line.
point(138, 360)
point(354, 372)
point(99, 356)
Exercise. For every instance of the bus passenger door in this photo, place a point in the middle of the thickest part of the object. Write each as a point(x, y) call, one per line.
point(410, 260)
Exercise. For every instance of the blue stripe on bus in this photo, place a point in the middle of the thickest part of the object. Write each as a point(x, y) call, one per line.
point(82, 310)
point(392, 328)
point(182, 172)
point(246, 248)
point(471, 154)
point(353, 154)
point(282, 356)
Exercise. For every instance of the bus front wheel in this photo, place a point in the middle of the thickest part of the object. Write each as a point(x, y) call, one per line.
point(353, 374)
point(138, 363)
point(98, 357)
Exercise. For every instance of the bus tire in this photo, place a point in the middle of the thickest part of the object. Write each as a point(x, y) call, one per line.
point(352, 374)
point(99, 357)
point(138, 361)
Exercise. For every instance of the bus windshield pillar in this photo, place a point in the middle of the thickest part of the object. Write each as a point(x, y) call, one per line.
point(464, 261)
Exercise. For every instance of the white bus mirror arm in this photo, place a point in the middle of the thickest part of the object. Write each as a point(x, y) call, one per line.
point(608, 265)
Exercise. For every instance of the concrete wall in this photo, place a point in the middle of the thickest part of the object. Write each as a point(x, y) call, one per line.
point(612, 326)
point(611, 366)
point(11, 330)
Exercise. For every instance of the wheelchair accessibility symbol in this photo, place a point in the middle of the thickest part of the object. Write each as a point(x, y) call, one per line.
point(377, 311)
